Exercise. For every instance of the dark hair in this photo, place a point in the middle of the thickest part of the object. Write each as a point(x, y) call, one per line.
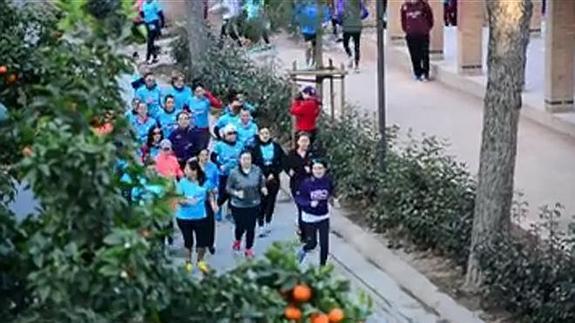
point(301, 134)
point(177, 75)
point(194, 165)
point(197, 82)
point(320, 161)
point(169, 96)
point(232, 95)
point(150, 140)
point(148, 74)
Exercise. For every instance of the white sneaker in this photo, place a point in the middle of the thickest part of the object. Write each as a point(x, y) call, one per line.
point(261, 232)
point(268, 228)
point(350, 62)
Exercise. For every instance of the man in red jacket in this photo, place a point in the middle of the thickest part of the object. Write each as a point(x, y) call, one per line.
point(417, 21)
point(306, 109)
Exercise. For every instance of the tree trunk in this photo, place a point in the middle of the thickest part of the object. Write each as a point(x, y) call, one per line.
point(196, 29)
point(508, 40)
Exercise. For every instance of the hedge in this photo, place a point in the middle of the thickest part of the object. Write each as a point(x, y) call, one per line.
point(424, 194)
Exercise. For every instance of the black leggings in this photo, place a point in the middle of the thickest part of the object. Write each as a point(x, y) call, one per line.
point(245, 220)
point(356, 36)
point(190, 228)
point(230, 28)
point(269, 202)
point(210, 225)
point(311, 231)
point(223, 195)
point(153, 33)
point(418, 46)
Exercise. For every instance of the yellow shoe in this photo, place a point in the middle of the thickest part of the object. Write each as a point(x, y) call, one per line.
point(203, 267)
point(189, 267)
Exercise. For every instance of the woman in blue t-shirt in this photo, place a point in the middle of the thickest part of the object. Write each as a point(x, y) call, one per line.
point(192, 212)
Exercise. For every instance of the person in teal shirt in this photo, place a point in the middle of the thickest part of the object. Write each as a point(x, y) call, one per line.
point(246, 128)
point(142, 123)
point(192, 210)
point(167, 118)
point(179, 91)
point(199, 106)
point(150, 94)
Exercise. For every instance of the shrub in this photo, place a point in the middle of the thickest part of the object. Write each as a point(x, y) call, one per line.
point(89, 255)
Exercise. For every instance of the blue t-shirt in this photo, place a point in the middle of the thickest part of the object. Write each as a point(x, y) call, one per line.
point(188, 189)
point(151, 11)
point(168, 121)
point(142, 128)
point(248, 106)
point(200, 108)
point(181, 96)
point(212, 175)
point(228, 155)
point(227, 119)
point(246, 132)
point(152, 97)
point(268, 152)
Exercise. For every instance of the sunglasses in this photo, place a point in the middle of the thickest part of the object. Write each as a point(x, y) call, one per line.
point(232, 133)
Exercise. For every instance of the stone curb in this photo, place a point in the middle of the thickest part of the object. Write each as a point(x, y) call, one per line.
point(398, 56)
point(409, 279)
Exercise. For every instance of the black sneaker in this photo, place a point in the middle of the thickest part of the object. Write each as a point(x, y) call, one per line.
point(212, 250)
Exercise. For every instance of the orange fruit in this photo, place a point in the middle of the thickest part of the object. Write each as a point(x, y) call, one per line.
point(27, 151)
point(10, 79)
point(319, 318)
point(3, 69)
point(335, 315)
point(301, 293)
point(292, 313)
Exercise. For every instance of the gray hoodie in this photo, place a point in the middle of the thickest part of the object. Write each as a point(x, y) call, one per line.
point(251, 185)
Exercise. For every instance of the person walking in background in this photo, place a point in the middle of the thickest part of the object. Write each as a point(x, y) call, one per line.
point(246, 186)
point(417, 21)
point(269, 156)
point(153, 17)
point(313, 199)
point(257, 22)
point(297, 166)
point(306, 108)
point(308, 20)
point(212, 177)
point(231, 14)
point(191, 215)
point(353, 14)
point(450, 12)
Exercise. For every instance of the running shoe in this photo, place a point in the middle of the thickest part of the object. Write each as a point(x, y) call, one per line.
point(250, 253)
point(262, 232)
point(203, 267)
point(237, 245)
point(188, 266)
point(268, 228)
point(301, 255)
point(212, 250)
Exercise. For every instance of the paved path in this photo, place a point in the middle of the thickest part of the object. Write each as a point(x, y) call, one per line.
point(545, 169)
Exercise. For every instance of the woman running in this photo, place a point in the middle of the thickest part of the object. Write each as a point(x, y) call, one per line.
point(353, 14)
point(150, 150)
point(166, 162)
point(150, 94)
point(153, 17)
point(269, 157)
point(246, 186)
point(313, 197)
point(306, 109)
point(226, 155)
point(184, 139)
point(246, 127)
point(199, 106)
point(192, 212)
point(179, 91)
point(298, 168)
point(167, 118)
point(212, 177)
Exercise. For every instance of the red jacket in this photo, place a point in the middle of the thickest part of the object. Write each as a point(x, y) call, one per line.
point(214, 102)
point(305, 113)
point(416, 18)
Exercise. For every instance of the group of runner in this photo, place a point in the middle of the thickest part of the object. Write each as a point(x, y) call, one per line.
point(227, 170)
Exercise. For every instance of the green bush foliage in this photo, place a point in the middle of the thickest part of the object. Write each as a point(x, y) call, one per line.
point(423, 194)
point(88, 255)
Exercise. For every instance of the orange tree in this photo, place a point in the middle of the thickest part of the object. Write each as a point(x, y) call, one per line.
point(88, 255)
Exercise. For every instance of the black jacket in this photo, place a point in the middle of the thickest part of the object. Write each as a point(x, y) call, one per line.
point(277, 163)
point(298, 164)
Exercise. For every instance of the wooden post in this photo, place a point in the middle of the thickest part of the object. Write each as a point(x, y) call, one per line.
point(331, 94)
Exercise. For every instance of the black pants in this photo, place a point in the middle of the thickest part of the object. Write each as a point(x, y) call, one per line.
point(245, 220)
point(311, 234)
point(356, 36)
point(418, 46)
point(210, 225)
point(230, 28)
point(269, 202)
point(223, 195)
point(153, 33)
point(334, 26)
point(191, 228)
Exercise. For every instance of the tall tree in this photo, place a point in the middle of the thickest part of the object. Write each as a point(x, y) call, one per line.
point(196, 30)
point(508, 40)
